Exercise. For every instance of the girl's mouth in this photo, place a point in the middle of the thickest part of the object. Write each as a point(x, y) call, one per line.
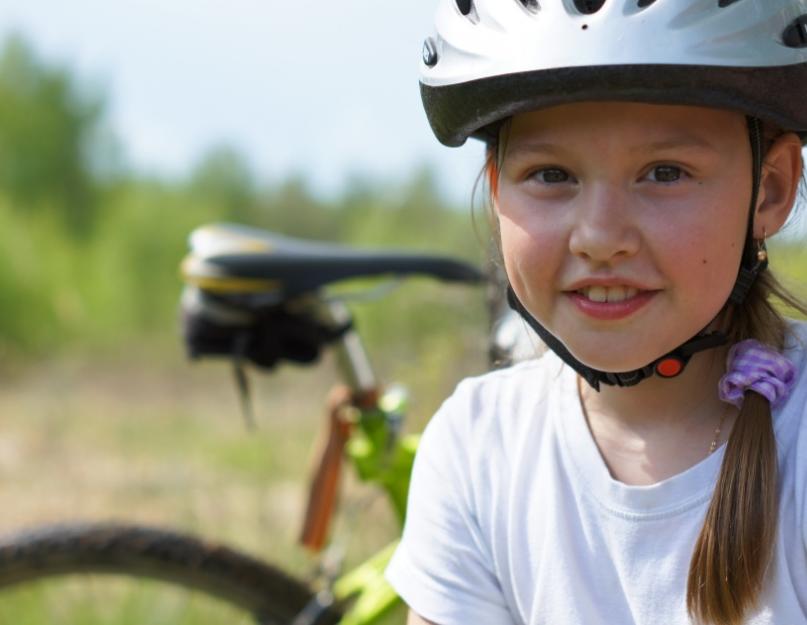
point(609, 303)
point(608, 293)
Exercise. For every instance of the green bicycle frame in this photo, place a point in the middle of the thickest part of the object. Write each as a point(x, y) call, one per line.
point(380, 456)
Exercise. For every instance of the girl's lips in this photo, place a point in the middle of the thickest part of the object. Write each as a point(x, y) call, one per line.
point(610, 311)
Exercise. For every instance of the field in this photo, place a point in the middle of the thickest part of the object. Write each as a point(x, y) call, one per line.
point(155, 439)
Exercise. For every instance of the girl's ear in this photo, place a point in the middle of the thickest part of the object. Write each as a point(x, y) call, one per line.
point(781, 174)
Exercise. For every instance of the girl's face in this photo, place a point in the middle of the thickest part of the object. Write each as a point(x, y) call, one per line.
point(623, 224)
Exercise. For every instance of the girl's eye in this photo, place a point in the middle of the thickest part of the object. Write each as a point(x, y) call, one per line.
point(551, 175)
point(665, 173)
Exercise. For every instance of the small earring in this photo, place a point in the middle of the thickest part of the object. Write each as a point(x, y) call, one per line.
point(762, 250)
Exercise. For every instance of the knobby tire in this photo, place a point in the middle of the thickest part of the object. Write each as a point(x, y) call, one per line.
point(244, 582)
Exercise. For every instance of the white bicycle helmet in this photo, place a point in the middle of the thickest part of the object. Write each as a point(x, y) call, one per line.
point(490, 59)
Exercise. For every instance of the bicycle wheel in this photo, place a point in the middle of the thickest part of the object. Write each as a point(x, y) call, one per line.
point(256, 591)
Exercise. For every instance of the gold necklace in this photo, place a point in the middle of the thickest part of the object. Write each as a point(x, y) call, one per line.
point(718, 429)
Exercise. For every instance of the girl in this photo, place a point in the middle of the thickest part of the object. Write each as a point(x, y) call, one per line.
point(651, 468)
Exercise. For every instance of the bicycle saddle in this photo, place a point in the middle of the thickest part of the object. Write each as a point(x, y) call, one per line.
point(229, 258)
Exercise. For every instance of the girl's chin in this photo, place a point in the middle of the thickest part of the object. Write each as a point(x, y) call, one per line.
point(612, 360)
point(622, 349)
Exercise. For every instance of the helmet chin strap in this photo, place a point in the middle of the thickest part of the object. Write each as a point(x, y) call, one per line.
point(672, 363)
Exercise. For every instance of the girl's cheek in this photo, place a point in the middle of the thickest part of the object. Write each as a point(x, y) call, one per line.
point(534, 237)
point(532, 253)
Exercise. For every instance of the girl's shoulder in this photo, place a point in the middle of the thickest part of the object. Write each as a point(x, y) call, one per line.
point(790, 417)
point(790, 425)
point(531, 381)
point(796, 340)
point(502, 406)
point(796, 352)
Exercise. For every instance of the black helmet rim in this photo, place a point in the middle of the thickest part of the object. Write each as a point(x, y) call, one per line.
point(773, 94)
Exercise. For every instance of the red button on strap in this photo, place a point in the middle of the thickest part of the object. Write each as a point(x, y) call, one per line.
point(669, 367)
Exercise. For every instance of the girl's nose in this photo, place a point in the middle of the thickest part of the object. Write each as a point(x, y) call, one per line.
point(603, 229)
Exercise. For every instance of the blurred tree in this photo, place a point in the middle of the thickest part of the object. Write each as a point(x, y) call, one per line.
point(291, 209)
point(409, 213)
point(47, 128)
point(223, 177)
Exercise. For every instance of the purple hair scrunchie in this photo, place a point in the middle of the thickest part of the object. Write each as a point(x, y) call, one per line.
point(754, 366)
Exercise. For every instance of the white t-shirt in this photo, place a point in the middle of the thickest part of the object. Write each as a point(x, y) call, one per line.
point(514, 518)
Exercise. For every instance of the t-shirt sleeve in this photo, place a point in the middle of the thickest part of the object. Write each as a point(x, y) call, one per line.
point(443, 567)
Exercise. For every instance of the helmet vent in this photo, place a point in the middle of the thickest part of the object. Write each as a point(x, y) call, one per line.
point(464, 6)
point(643, 4)
point(530, 5)
point(795, 35)
point(725, 3)
point(587, 7)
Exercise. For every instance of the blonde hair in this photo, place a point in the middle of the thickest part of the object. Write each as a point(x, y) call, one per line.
point(736, 542)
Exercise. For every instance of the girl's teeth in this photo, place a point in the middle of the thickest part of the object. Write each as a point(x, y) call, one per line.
point(616, 294)
point(609, 294)
point(597, 293)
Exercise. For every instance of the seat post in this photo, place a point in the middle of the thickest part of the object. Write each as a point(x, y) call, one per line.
point(352, 359)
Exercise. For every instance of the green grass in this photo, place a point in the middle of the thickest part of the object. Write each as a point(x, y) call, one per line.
point(106, 600)
point(789, 263)
point(149, 438)
point(99, 600)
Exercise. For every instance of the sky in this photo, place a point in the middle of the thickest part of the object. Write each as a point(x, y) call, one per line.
point(328, 90)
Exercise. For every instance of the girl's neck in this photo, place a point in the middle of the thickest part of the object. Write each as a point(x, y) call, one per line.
point(660, 427)
point(656, 399)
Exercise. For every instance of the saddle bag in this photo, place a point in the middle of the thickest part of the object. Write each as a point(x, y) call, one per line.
point(243, 329)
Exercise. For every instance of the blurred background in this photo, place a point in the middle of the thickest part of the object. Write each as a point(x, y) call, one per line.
point(125, 125)
point(122, 127)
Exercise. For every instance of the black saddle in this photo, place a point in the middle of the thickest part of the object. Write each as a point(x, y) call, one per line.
point(247, 282)
point(228, 258)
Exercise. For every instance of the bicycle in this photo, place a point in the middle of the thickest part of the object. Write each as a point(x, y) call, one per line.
point(257, 297)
